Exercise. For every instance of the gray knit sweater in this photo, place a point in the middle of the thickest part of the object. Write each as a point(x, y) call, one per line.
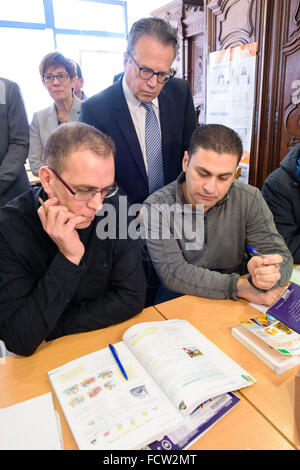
point(212, 270)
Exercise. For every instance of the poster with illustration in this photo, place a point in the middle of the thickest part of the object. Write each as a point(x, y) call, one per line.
point(230, 94)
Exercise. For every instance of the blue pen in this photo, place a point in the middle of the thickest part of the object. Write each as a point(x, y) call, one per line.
point(115, 354)
point(255, 252)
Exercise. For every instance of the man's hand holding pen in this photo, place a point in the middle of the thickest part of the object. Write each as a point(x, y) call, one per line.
point(265, 270)
point(59, 223)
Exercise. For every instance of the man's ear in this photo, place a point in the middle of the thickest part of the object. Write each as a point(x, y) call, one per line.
point(46, 178)
point(125, 60)
point(185, 161)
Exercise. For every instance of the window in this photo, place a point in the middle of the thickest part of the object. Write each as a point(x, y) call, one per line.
point(29, 11)
point(90, 32)
point(89, 16)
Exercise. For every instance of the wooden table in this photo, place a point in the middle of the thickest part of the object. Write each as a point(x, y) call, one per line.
point(272, 395)
point(22, 378)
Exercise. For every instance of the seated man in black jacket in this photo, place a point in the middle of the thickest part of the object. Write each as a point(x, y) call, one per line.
point(59, 274)
point(282, 194)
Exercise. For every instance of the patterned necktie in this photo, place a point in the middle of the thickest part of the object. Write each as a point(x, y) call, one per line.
point(153, 150)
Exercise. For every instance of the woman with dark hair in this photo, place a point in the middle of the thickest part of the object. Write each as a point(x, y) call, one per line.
point(58, 75)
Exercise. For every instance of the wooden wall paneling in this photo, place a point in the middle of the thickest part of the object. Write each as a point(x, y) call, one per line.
point(278, 123)
point(288, 93)
point(175, 12)
point(194, 33)
point(235, 23)
point(265, 79)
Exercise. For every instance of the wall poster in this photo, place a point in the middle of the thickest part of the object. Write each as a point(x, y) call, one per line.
point(230, 94)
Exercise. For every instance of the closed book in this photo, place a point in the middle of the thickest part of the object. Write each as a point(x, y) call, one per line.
point(276, 361)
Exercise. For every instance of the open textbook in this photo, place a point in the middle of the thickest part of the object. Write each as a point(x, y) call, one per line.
point(172, 369)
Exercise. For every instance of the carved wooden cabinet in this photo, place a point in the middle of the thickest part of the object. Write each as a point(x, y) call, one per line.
point(275, 26)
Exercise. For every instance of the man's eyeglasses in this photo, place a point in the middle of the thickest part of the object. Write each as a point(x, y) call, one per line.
point(60, 77)
point(82, 195)
point(146, 73)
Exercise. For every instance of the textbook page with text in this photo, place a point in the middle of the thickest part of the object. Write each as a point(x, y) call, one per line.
point(188, 367)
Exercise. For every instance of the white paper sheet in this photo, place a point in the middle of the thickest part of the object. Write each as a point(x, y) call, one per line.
point(30, 425)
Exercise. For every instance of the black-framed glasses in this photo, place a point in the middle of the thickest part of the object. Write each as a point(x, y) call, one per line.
point(87, 195)
point(60, 77)
point(146, 74)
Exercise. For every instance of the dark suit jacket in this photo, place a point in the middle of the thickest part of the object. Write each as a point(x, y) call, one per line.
point(14, 142)
point(108, 112)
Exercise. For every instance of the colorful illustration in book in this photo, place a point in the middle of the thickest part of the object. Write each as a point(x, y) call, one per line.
point(248, 378)
point(285, 329)
point(264, 320)
point(139, 392)
point(271, 331)
point(76, 401)
point(88, 382)
point(71, 390)
point(193, 351)
point(182, 405)
point(105, 375)
point(246, 322)
point(94, 392)
point(109, 385)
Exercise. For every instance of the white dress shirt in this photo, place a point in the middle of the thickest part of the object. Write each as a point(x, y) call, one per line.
point(138, 115)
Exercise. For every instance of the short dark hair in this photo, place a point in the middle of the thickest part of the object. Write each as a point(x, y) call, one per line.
point(55, 59)
point(70, 137)
point(155, 27)
point(78, 70)
point(216, 137)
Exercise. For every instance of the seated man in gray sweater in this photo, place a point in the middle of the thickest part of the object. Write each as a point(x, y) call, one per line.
point(206, 229)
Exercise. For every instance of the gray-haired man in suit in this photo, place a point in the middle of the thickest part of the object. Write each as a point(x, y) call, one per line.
point(14, 141)
point(120, 110)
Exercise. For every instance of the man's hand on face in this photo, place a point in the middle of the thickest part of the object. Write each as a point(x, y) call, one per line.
point(60, 224)
point(248, 292)
point(265, 270)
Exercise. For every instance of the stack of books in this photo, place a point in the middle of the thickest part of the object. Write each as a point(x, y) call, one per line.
point(274, 336)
